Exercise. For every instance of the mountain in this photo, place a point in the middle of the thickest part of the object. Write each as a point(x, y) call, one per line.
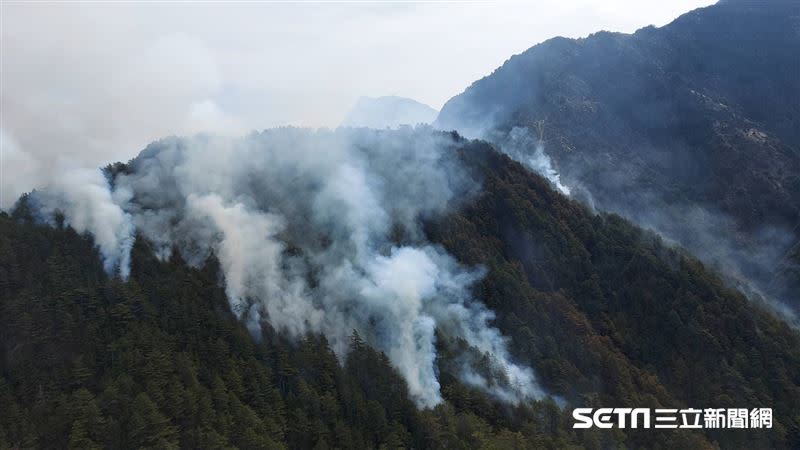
point(691, 129)
point(604, 312)
point(411, 288)
point(388, 112)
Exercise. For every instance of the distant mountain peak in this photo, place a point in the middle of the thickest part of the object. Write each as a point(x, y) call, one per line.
point(388, 112)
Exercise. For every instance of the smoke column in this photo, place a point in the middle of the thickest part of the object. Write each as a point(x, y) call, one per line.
point(524, 148)
point(521, 146)
point(84, 198)
point(315, 232)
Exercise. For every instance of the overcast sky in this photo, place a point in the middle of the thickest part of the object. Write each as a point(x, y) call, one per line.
point(84, 84)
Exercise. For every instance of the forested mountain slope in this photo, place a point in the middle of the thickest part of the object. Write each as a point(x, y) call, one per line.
point(690, 129)
point(605, 313)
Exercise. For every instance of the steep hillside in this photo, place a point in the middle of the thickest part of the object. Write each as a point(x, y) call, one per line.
point(608, 314)
point(604, 312)
point(690, 129)
point(160, 361)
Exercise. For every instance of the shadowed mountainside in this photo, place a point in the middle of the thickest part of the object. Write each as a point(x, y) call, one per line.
point(692, 129)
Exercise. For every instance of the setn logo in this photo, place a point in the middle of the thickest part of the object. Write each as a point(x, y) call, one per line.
point(608, 417)
point(672, 418)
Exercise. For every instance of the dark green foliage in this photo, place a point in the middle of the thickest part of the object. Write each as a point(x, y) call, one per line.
point(92, 362)
point(159, 361)
point(609, 315)
point(605, 312)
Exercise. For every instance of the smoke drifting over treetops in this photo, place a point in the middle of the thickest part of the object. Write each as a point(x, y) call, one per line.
point(521, 146)
point(315, 232)
point(752, 262)
point(84, 199)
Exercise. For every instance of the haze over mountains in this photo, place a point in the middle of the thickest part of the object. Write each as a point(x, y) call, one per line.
point(691, 129)
point(388, 112)
point(412, 288)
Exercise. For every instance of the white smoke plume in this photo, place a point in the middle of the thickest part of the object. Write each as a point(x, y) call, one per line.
point(85, 200)
point(315, 232)
point(522, 147)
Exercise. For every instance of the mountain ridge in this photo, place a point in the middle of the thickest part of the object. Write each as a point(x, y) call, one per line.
point(604, 311)
point(657, 125)
point(411, 288)
point(388, 112)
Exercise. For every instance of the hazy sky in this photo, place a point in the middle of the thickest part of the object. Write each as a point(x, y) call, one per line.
point(84, 84)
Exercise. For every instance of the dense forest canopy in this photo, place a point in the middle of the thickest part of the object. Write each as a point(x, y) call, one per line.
point(604, 312)
point(411, 288)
